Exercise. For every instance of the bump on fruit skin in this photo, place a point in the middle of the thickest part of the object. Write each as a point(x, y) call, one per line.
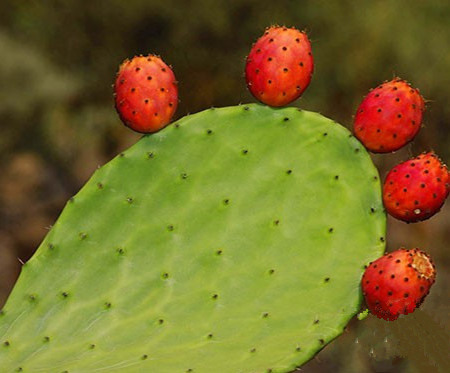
point(389, 117)
point(279, 66)
point(416, 189)
point(397, 283)
point(145, 93)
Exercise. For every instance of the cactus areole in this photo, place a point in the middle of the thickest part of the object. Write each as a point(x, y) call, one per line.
point(233, 240)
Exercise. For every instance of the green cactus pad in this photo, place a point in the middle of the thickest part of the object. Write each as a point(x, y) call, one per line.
point(233, 241)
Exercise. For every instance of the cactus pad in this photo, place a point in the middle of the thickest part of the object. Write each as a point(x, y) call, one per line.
point(233, 240)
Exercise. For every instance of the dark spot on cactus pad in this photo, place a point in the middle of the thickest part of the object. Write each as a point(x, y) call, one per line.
point(298, 348)
point(129, 200)
point(285, 69)
point(46, 339)
point(215, 296)
point(382, 239)
point(162, 89)
point(121, 155)
point(325, 134)
point(165, 276)
point(189, 370)
point(379, 110)
point(219, 252)
point(19, 369)
point(392, 276)
point(327, 279)
point(170, 228)
point(285, 119)
point(330, 230)
point(6, 344)
point(209, 132)
point(210, 335)
point(269, 59)
point(265, 315)
point(133, 90)
point(161, 321)
point(50, 246)
point(32, 297)
point(336, 177)
point(91, 346)
point(144, 357)
point(150, 155)
point(289, 172)
point(372, 210)
point(252, 350)
point(65, 294)
point(271, 40)
point(389, 293)
point(284, 93)
point(99, 185)
point(246, 108)
point(133, 112)
point(156, 114)
point(271, 271)
point(163, 69)
point(107, 305)
point(146, 101)
point(244, 151)
point(322, 341)
point(226, 201)
point(82, 235)
point(316, 321)
point(284, 48)
point(269, 82)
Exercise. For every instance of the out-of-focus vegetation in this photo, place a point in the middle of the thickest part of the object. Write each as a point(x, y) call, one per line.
point(58, 123)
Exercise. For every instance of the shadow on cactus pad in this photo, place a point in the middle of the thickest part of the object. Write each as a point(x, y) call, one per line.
point(233, 240)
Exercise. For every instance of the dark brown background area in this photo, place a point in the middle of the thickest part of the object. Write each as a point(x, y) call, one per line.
point(58, 124)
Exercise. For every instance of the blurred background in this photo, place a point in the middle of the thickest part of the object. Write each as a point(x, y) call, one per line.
point(58, 122)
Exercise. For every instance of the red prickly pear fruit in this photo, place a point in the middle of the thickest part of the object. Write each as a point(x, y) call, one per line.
point(397, 283)
point(389, 117)
point(416, 189)
point(145, 93)
point(279, 66)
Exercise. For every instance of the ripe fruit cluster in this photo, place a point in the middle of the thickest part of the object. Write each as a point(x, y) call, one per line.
point(278, 69)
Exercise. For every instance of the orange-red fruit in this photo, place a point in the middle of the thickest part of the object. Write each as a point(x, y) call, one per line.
point(416, 189)
point(279, 66)
point(146, 93)
point(389, 117)
point(397, 283)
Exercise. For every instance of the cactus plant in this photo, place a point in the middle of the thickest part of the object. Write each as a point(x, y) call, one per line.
point(233, 240)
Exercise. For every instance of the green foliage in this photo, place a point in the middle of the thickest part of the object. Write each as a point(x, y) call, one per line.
point(233, 240)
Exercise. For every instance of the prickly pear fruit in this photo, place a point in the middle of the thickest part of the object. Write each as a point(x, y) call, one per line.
point(416, 189)
point(146, 93)
point(397, 283)
point(389, 117)
point(279, 66)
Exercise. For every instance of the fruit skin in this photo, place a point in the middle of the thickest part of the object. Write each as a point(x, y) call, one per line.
point(145, 93)
point(279, 66)
point(397, 283)
point(389, 117)
point(416, 189)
